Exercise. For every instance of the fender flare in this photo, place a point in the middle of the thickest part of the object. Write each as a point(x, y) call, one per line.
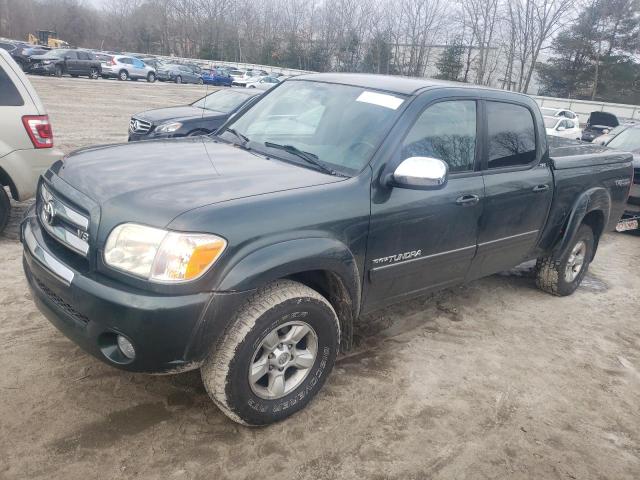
point(595, 199)
point(299, 256)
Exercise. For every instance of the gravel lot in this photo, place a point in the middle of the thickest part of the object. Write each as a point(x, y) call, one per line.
point(494, 379)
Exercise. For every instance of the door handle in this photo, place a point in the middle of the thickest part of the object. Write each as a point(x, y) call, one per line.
point(467, 200)
point(541, 188)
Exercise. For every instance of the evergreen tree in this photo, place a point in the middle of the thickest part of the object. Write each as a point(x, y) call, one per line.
point(451, 62)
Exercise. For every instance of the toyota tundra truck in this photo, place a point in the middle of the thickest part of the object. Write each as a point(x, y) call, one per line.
point(250, 254)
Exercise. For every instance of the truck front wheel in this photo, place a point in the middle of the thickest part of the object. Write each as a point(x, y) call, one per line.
point(561, 277)
point(275, 355)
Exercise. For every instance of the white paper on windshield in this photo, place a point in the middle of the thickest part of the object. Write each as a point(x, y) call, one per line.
point(380, 99)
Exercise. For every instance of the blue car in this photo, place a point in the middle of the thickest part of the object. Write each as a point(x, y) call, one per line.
point(216, 76)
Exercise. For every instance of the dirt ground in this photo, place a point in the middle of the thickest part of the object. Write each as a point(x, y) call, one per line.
point(494, 379)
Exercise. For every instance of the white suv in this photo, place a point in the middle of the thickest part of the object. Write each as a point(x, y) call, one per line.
point(26, 138)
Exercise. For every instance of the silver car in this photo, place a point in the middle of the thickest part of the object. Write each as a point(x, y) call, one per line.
point(123, 68)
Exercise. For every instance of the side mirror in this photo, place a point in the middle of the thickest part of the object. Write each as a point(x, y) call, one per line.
point(420, 173)
point(67, 57)
point(560, 129)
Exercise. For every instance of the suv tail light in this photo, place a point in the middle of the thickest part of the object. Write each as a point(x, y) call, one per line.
point(39, 129)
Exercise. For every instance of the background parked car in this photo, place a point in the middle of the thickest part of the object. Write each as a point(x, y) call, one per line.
point(217, 76)
point(599, 123)
point(26, 137)
point(200, 118)
point(560, 112)
point(21, 52)
point(263, 83)
point(66, 61)
point(605, 138)
point(178, 73)
point(562, 127)
point(124, 68)
point(246, 77)
point(629, 141)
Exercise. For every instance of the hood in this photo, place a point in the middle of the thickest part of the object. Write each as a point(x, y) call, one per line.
point(602, 119)
point(154, 181)
point(162, 115)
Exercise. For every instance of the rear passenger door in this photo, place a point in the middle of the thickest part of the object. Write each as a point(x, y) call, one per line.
point(518, 188)
point(71, 62)
point(84, 63)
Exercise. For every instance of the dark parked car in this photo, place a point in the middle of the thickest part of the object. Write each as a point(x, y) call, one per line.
point(200, 118)
point(21, 52)
point(250, 254)
point(217, 76)
point(629, 140)
point(178, 73)
point(62, 61)
point(599, 123)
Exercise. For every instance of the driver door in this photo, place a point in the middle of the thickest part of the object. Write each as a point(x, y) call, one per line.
point(422, 240)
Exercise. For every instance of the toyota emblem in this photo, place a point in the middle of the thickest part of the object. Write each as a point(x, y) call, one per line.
point(48, 212)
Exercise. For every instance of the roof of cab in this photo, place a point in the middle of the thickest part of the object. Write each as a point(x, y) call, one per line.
point(390, 83)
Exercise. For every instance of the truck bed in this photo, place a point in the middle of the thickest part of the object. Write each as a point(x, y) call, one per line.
point(566, 153)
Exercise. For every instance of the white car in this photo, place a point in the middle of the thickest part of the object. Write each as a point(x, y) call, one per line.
point(560, 112)
point(124, 68)
point(246, 77)
point(263, 83)
point(562, 127)
point(26, 137)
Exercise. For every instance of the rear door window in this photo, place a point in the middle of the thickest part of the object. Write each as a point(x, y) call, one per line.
point(512, 135)
point(71, 55)
point(83, 56)
point(9, 94)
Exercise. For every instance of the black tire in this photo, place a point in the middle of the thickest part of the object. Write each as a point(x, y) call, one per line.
point(151, 77)
point(225, 373)
point(94, 74)
point(59, 71)
point(5, 208)
point(123, 75)
point(178, 79)
point(552, 276)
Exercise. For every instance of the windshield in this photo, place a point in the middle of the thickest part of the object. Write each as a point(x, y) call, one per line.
point(340, 125)
point(221, 101)
point(628, 140)
point(550, 122)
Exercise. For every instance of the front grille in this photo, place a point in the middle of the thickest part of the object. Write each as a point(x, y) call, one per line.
point(61, 304)
point(65, 224)
point(139, 126)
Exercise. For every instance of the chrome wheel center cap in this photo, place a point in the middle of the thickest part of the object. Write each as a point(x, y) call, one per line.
point(282, 358)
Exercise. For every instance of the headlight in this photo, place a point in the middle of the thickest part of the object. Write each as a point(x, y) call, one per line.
point(159, 255)
point(168, 127)
point(46, 62)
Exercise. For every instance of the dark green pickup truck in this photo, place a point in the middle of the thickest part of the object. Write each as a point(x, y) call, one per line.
point(250, 254)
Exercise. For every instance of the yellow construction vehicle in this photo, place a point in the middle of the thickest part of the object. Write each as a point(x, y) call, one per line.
point(46, 38)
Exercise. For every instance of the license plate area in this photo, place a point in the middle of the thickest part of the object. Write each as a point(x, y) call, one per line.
point(626, 225)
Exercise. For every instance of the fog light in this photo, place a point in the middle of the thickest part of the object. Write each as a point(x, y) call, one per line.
point(126, 347)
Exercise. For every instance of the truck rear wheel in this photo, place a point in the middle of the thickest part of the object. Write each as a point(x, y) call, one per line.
point(275, 355)
point(561, 277)
point(5, 208)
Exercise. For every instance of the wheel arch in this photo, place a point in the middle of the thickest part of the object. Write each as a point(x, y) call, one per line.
point(324, 264)
point(591, 208)
point(5, 181)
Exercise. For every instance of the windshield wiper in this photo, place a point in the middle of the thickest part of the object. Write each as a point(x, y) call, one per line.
point(239, 135)
point(306, 156)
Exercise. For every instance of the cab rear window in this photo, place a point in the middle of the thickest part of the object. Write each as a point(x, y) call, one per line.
point(9, 95)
